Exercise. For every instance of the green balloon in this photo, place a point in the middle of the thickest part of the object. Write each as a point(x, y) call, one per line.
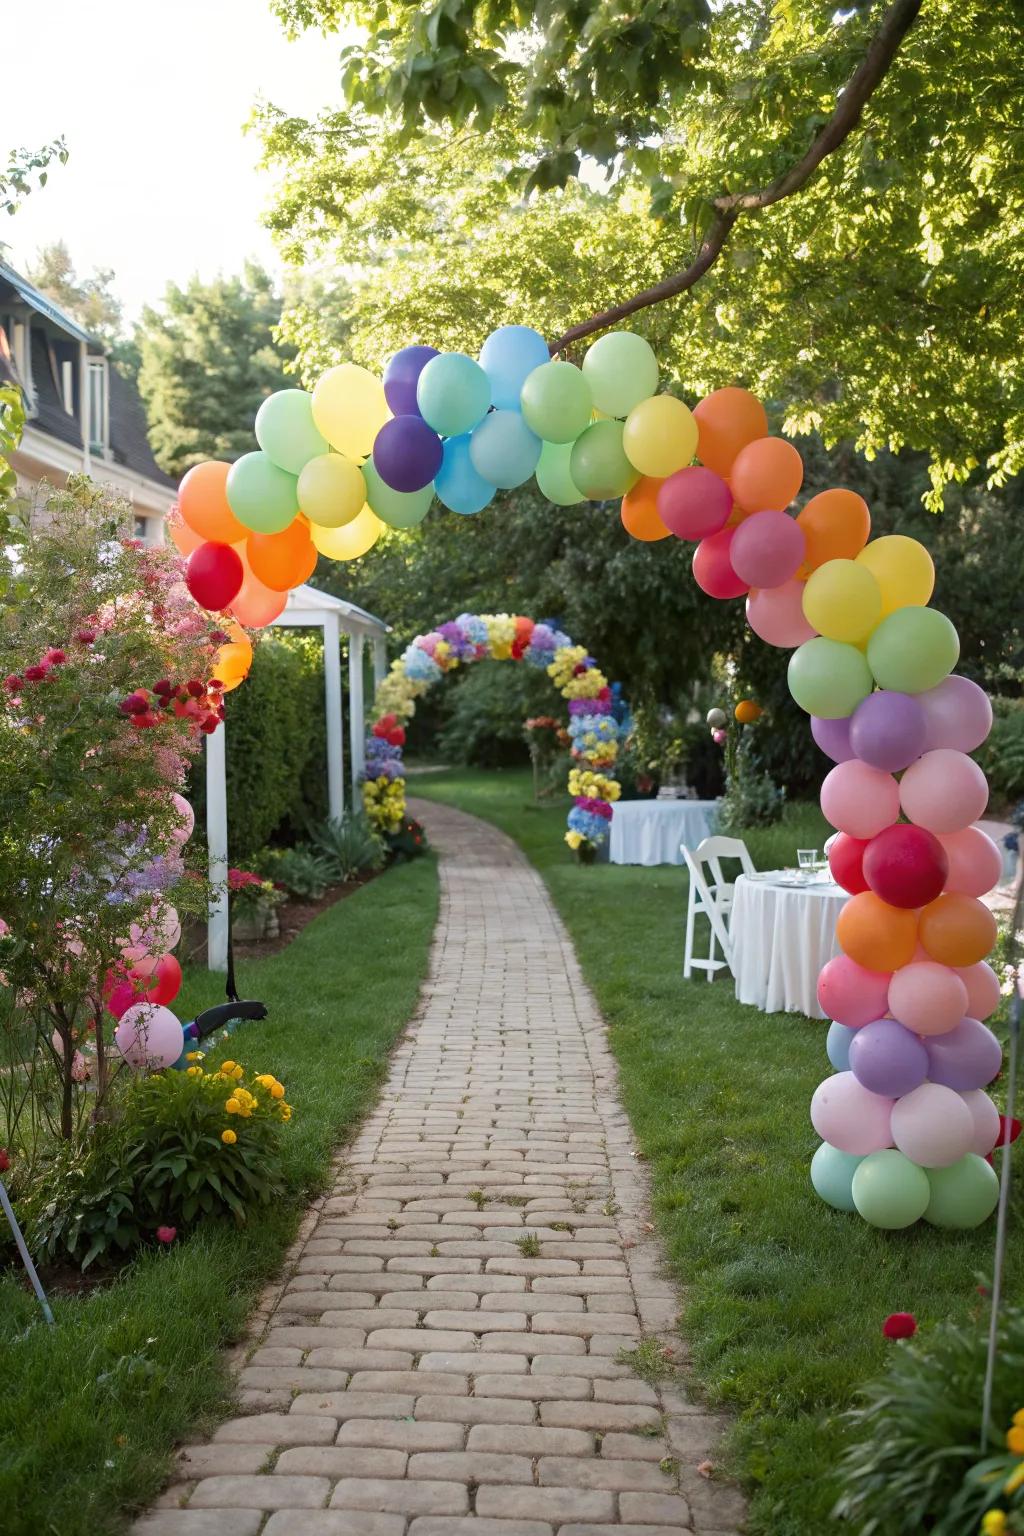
point(913, 650)
point(399, 509)
point(963, 1195)
point(890, 1191)
point(555, 402)
point(554, 477)
point(832, 1174)
point(622, 370)
point(262, 496)
point(285, 430)
point(828, 678)
point(598, 464)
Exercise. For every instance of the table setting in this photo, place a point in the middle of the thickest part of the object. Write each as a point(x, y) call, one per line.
point(783, 930)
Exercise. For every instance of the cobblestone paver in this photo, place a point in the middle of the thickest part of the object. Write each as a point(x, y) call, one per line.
point(448, 1355)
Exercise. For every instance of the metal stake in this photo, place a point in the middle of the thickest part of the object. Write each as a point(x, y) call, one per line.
point(26, 1257)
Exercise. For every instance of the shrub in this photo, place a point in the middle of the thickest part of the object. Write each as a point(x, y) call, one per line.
point(184, 1146)
point(487, 710)
point(1002, 756)
point(752, 798)
point(348, 847)
point(301, 870)
point(409, 842)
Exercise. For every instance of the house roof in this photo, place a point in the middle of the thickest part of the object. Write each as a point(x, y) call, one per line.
point(42, 305)
point(309, 600)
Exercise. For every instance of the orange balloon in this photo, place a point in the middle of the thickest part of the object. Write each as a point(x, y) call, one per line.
point(836, 525)
point(184, 538)
point(737, 515)
point(256, 605)
point(747, 712)
point(956, 929)
point(281, 560)
point(727, 420)
point(203, 503)
point(766, 475)
point(875, 935)
point(639, 512)
point(234, 658)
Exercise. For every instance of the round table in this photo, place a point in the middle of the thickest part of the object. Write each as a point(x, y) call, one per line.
point(782, 935)
point(651, 831)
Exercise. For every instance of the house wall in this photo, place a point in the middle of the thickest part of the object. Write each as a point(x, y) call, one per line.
point(41, 458)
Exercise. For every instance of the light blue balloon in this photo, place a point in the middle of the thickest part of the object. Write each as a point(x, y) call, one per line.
point(453, 393)
point(503, 449)
point(838, 1046)
point(457, 484)
point(507, 356)
point(832, 1174)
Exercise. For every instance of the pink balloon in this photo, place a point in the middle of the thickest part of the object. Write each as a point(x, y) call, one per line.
point(944, 790)
point(859, 800)
point(851, 1118)
point(851, 995)
point(975, 863)
point(927, 997)
point(986, 1121)
point(712, 565)
point(983, 991)
point(121, 998)
point(694, 503)
point(768, 549)
point(932, 1126)
point(158, 932)
point(182, 833)
point(957, 714)
point(149, 1036)
point(145, 965)
point(776, 614)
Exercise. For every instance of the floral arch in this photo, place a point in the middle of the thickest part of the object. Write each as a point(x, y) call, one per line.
point(593, 728)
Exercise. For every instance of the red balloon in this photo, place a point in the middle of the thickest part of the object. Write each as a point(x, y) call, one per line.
point(694, 503)
point(712, 568)
point(906, 866)
point(214, 576)
point(168, 980)
point(844, 859)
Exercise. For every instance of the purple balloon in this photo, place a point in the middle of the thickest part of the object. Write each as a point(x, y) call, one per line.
point(833, 737)
point(885, 1058)
point(969, 1056)
point(401, 377)
point(407, 453)
point(888, 730)
point(957, 714)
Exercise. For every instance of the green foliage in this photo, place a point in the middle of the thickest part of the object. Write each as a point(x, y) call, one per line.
point(348, 847)
point(1002, 756)
point(25, 166)
point(916, 1431)
point(409, 842)
point(486, 709)
point(89, 300)
point(207, 362)
point(752, 798)
point(12, 425)
point(300, 870)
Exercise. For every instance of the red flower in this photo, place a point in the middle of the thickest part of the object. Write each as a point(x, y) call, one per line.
point(900, 1325)
point(12, 682)
point(195, 688)
point(85, 636)
point(55, 656)
point(166, 1234)
point(36, 674)
point(5, 1160)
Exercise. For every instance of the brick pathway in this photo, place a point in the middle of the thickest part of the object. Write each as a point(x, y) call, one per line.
point(445, 1357)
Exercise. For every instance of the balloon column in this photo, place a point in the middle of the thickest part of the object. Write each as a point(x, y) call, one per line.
point(906, 1122)
point(597, 714)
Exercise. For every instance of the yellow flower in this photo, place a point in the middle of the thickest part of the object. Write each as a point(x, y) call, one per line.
point(232, 1106)
point(265, 1080)
point(277, 1092)
point(1015, 1480)
point(244, 1096)
point(574, 839)
point(1018, 1417)
point(228, 1138)
point(286, 1111)
point(227, 1066)
point(193, 1072)
point(993, 1523)
point(1015, 1440)
point(238, 1073)
point(196, 1056)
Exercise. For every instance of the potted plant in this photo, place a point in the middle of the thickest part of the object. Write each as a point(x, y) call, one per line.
point(254, 903)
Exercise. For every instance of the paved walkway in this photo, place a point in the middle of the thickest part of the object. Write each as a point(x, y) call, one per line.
point(447, 1354)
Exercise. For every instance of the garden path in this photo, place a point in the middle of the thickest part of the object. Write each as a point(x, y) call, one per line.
point(446, 1356)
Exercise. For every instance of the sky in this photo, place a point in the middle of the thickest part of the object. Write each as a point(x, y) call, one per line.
point(152, 97)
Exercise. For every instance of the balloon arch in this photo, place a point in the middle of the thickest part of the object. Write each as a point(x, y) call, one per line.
point(593, 730)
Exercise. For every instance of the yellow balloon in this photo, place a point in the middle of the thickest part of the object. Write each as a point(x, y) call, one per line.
point(349, 409)
point(659, 436)
point(842, 601)
point(903, 569)
point(351, 541)
point(332, 490)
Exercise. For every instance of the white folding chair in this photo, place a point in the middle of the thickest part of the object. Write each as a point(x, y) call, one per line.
point(713, 900)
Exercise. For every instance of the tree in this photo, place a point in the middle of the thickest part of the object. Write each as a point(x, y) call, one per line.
point(89, 300)
point(208, 359)
point(848, 186)
point(25, 166)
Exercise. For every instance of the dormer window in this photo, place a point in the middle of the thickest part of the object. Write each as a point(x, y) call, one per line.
point(99, 406)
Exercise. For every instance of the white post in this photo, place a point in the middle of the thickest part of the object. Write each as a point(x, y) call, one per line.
point(380, 660)
point(217, 843)
point(335, 724)
point(356, 723)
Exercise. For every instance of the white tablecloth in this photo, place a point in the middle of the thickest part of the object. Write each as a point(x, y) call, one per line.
point(650, 831)
point(781, 938)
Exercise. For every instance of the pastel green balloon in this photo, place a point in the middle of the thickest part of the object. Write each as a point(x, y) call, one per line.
point(829, 678)
point(963, 1195)
point(286, 432)
point(453, 393)
point(622, 370)
point(556, 402)
point(262, 496)
point(913, 650)
point(598, 462)
point(554, 477)
point(399, 509)
point(890, 1191)
point(832, 1174)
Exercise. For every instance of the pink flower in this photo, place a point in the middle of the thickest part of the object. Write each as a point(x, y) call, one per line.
point(166, 1234)
point(55, 656)
point(5, 1159)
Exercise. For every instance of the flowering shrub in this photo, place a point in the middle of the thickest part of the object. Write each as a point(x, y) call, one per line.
point(410, 841)
point(251, 892)
point(594, 708)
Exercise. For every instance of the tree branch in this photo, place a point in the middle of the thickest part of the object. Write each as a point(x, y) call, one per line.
point(864, 81)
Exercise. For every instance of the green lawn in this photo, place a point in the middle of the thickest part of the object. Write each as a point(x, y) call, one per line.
point(785, 1298)
point(90, 1410)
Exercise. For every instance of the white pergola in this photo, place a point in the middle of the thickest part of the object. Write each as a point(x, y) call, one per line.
point(306, 609)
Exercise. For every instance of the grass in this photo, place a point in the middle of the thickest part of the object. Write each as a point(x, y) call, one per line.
point(90, 1410)
point(785, 1298)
